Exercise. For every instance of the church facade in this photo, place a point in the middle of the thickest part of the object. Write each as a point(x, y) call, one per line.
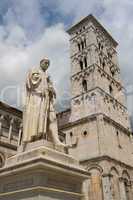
point(98, 118)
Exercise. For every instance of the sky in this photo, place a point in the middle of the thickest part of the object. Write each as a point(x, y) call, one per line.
point(34, 29)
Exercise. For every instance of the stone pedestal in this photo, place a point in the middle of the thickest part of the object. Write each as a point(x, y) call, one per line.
point(40, 173)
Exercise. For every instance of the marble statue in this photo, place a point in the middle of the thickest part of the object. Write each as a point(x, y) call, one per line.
point(39, 116)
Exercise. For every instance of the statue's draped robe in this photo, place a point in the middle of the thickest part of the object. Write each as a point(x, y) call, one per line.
point(37, 105)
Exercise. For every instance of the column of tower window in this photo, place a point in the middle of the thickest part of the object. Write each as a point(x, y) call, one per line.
point(81, 46)
point(83, 63)
point(103, 60)
point(105, 53)
point(101, 54)
point(84, 84)
point(9, 127)
point(113, 69)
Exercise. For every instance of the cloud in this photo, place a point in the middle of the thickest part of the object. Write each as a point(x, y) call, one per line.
point(33, 29)
point(116, 17)
point(26, 14)
point(19, 51)
point(16, 58)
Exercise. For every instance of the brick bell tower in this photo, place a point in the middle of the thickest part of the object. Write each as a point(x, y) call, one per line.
point(99, 116)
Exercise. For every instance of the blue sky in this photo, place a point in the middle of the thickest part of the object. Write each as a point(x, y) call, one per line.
point(30, 30)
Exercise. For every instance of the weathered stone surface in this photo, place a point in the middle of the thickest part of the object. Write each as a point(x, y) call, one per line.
point(42, 172)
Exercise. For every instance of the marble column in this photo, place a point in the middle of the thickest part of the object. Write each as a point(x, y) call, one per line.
point(10, 129)
point(85, 189)
point(20, 134)
point(1, 121)
point(131, 190)
point(106, 187)
point(122, 189)
point(130, 194)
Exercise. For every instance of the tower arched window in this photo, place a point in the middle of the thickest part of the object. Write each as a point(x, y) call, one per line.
point(85, 42)
point(85, 61)
point(84, 83)
point(103, 64)
point(118, 139)
point(71, 134)
point(110, 89)
point(81, 64)
point(99, 45)
point(79, 47)
point(82, 44)
point(112, 71)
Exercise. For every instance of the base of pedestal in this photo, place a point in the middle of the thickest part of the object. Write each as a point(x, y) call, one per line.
point(41, 149)
point(41, 172)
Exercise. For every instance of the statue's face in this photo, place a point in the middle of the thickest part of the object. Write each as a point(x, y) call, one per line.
point(44, 64)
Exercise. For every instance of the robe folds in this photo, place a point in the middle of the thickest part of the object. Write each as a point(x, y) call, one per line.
point(37, 105)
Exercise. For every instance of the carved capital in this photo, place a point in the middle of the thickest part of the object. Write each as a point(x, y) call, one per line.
point(107, 175)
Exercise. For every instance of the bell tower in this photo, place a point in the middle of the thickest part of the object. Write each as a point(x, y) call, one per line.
point(99, 116)
point(95, 74)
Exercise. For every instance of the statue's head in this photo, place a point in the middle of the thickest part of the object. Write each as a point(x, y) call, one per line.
point(44, 64)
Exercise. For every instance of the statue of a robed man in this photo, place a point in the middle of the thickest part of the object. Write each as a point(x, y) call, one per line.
point(39, 116)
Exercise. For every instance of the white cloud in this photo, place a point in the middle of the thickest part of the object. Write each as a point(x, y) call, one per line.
point(25, 37)
point(16, 58)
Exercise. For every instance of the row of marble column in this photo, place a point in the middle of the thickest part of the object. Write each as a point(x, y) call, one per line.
point(10, 131)
point(100, 188)
point(107, 189)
